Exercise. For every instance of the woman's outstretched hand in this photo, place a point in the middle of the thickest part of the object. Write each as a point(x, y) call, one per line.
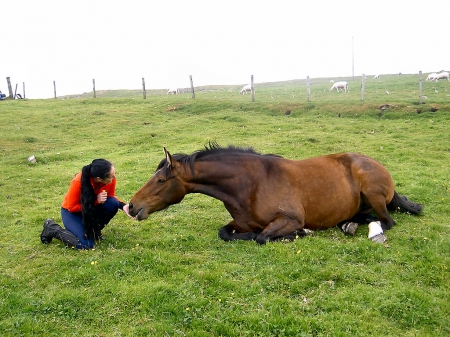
point(126, 209)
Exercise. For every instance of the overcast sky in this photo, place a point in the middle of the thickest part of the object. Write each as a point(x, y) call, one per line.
point(117, 43)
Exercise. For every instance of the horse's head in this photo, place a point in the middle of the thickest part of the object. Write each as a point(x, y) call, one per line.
point(164, 188)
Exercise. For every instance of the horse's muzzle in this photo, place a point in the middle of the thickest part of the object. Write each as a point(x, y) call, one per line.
point(138, 213)
point(131, 209)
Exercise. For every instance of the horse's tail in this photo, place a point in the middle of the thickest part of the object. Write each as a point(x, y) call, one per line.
point(402, 204)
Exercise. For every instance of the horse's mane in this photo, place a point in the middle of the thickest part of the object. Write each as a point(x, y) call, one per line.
point(211, 150)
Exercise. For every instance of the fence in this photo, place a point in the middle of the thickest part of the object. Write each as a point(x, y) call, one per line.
point(192, 89)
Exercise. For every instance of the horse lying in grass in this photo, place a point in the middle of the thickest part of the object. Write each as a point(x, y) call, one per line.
point(273, 198)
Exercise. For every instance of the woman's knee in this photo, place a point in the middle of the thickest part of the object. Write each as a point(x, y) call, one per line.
point(111, 205)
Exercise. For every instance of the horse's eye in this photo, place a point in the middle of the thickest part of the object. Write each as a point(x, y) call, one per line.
point(161, 181)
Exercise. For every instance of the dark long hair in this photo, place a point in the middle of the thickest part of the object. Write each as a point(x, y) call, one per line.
point(98, 168)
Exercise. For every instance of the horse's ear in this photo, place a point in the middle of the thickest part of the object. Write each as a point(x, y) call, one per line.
point(168, 157)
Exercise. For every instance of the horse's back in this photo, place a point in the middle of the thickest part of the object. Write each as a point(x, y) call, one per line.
point(360, 169)
point(368, 171)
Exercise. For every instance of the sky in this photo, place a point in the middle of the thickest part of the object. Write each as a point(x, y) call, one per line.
point(118, 43)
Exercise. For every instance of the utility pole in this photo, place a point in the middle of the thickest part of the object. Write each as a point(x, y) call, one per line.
point(353, 62)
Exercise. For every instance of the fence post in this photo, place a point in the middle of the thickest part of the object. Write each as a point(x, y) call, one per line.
point(93, 88)
point(363, 84)
point(8, 80)
point(23, 83)
point(144, 93)
point(54, 89)
point(252, 88)
point(420, 86)
point(192, 86)
point(308, 89)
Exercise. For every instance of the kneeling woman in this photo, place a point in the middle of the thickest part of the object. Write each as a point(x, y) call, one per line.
point(88, 206)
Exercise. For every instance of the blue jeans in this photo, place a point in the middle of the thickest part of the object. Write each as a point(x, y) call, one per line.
point(73, 221)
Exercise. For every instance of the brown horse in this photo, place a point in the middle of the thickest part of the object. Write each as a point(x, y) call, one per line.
point(272, 198)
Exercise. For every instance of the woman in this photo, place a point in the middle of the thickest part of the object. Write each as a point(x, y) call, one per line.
point(89, 205)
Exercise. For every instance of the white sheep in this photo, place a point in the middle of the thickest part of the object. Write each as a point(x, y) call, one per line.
point(431, 77)
point(376, 77)
point(340, 85)
point(443, 75)
point(173, 91)
point(245, 89)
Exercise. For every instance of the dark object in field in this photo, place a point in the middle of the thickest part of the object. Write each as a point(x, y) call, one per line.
point(433, 109)
point(273, 198)
point(384, 107)
point(288, 112)
point(419, 111)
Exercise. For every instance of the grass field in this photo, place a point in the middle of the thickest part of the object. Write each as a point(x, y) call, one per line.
point(171, 275)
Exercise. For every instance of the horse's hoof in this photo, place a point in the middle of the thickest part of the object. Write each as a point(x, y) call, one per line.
point(380, 238)
point(226, 233)
point(260, 240)
point(303, 232)
point(350, 228)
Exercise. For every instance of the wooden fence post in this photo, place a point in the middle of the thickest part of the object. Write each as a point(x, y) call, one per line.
point(93, 88)
point(308, 89)
point(192, 86)
point(253, 88)
point(144, 93)
point(8, 80)
point(420, 87)
point(23, 83)
point(54, 89)
point(363, 84)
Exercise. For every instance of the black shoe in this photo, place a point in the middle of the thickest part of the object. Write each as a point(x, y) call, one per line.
point(48, 232)
point(53, 230)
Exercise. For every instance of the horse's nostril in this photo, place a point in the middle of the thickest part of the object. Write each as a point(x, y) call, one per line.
point(130, 206)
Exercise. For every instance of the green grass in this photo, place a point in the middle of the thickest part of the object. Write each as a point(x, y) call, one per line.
point(171, 275)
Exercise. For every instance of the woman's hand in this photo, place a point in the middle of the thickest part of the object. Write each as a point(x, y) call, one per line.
point(126, 209)
point(102, 196)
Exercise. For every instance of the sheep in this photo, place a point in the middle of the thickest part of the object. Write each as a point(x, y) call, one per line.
point(431, 77)
point(173, 91)
point(340, 85)
point(245, 89)
point(376, 77)
point(441, 76)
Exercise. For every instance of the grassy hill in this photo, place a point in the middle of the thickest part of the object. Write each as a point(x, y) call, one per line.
point(171, 275)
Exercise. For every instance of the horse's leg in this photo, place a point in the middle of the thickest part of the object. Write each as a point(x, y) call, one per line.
point(378, 203)
point(363, 217)
point(229, 233)
point(292, 236)
point(281, 226)
point(351, 225)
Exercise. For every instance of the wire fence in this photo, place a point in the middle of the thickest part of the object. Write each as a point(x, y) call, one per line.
point(341, 85)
